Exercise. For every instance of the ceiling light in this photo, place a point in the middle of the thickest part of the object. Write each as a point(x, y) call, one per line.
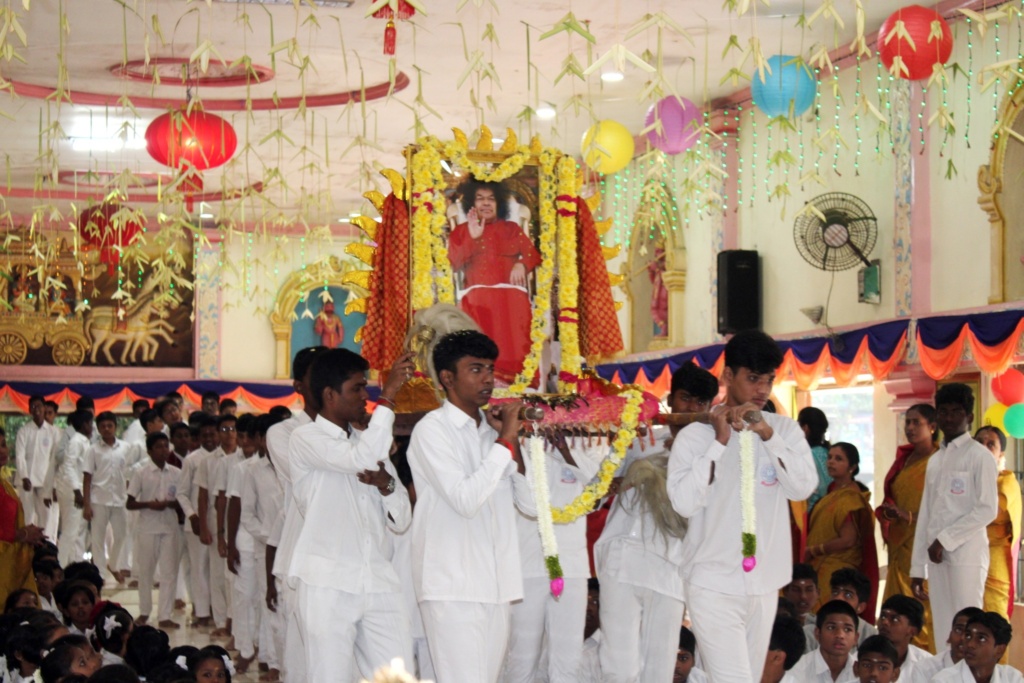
point(345, 220)
point(612, 76)
point(498, 141)
point(546, 112)
point(206, 215)
point(354, 214)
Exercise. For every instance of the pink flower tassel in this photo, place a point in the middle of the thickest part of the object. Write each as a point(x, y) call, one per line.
point(557, 586)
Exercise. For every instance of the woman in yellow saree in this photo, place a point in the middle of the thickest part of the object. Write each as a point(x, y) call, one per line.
point(842, 531)
point(1003, 532)
point(897, 515)
point(16, 539)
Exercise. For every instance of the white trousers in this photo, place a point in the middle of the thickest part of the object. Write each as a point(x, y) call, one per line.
point(36, 511)
point(539, 619)
point(245, 602)
point(341, 627)
point(272, 625)
point(71, 542)
point(723, 625)
point(102, 517)
point(293, 662)
point(468, 640)
point(151, 551)
point(125, 559)
point(184, 591)
point(219, 591)
point(199, 562)
point(953, 587)
point(421, 655)
point(639, 633)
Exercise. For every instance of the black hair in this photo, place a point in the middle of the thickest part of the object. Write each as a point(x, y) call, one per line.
point(154, 438)
point(173, 395)
point(848, 576)
point(162, 405)
point(84, 571)
point(501, 195)
point(207, 395)
point(106, 416)
point(282, 413)
point(246, 424)
point(995, 430)
point(754, 350)
point(113, 673)
point(593, 584)
point(85, 403)
point(148, 647)
point(925, 410)
point(906, 606)
point(303, 361)
point(179, 425)
point(168, 672)
point(1001, 630)
point(696, 381)
point(202, 420)
point(400, 459)
point(969, 612)
point(67, 589)
point(457, 345)
point(785, 607)
point(769, 406)
point(54, 405)
point(186, 651)
point(46, 549)
point(332, 368)
point(817, 424)
point(788, 636)
point(263, 423)
point(851, 453)
point(20, 639)
point(225, 418)
point(210, 652)
point(45, 565)
point(14, 596)
point(36, 398)
point(148, 417)
point(115, 640)
point(227, 403)
point(57, 663)
point(879, 645)
point(802, 571)
point(140, 403)
point(79, 419)
point(955, 394)
point(836, 607)
point(687, 641)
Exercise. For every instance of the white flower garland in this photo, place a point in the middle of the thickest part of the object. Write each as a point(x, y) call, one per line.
point(748, 473)
point(545, 523)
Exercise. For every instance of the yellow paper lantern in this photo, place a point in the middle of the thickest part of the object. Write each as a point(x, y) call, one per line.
point(994, 416)
point(607, 146)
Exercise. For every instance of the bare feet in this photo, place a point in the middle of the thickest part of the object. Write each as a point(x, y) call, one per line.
point(179, 604)
point(272, 675)
point(202, 622)
point(220, 632)
point(141, 619)
point(133, 584)
point(168, 624)
point(242, 664)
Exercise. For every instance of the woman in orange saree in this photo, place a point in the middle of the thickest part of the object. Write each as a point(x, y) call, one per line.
point(842, 531)
point(1003, 532)
point(16, 539)
point(904, 486)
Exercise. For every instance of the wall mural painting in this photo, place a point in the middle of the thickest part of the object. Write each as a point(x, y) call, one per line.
point(70, 309)
point(320, 319)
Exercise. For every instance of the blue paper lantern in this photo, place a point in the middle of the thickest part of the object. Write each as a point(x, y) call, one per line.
point(789, 83)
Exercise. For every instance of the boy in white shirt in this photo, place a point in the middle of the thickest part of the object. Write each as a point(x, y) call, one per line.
point(188, 498)
point(68, 480)
point(733, 596)
point(105, 494)
point(686, 671)
point(836, 631)
point(153, 492)
point(135, 431)
point(924, 670)
point(985, 641)
point(876, 661)
point(960, 500)
point(899, 621)
point(35, 450)
point(785, 650)
point(469, 475)
point(349, 596)
point(246, 596)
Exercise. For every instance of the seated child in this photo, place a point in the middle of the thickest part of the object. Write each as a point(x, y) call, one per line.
point(836, 632)
point(76, 600)
point(686, 672)
point(784, 650)
point(849, 585)
point(876, 661)
point(22, 598)
point(147, 648)
point(113, 625)
point(900, 621)
point(70, 655)
point(925, 669)
point(802, 591)
point(48, 573)
point(210, 664)
point(985, 641)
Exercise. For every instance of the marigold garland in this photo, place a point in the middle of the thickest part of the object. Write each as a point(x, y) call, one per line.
point(458, 153)
point(429, 253)
point(568, 273)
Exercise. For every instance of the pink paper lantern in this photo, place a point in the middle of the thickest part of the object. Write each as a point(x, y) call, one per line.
point(680, 120)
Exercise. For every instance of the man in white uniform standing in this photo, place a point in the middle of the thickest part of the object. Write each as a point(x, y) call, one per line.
point(960, 500)
point(733, 598)
point(469, 476)
point(35, 450)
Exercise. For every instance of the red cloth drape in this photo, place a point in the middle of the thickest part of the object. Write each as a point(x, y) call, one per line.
point(387, 310)
point(600, 336)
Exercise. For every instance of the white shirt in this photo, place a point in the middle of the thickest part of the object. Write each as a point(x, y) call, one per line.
point(343, 543)
point(960, 500)
point(188, 486)
point(69, 474)
point(236, 466)
point(262, 499)
point(208, 476)
point(154, 483)
point(697, 676)
point(713, 547)
point(631, 549)
point(108, 467)
point(812, 668)
point(923, 670)
point(961, 673)
point(50, 605)
point(565, 482)
point(35, 451)
point(134, 432)
point(464, 541)
point(282, 538)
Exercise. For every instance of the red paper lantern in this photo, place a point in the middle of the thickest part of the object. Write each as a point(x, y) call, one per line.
point(927, 50)
point(1008, 387)
point(101, 227)
point(403, 10)
point(191, 139)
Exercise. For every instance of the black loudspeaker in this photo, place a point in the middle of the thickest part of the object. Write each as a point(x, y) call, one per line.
point(739, 291)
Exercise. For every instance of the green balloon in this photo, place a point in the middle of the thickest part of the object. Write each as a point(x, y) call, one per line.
point(1014, 421)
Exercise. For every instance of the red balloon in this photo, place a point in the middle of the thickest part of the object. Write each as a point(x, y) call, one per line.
point(925, 53)
point(193, 139)
point(101, 227)
point(1009, 387)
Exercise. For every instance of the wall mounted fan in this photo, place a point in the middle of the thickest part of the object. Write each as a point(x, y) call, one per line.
point(840, 235)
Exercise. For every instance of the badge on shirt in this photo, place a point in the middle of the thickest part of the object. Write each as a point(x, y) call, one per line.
point(172, 491)
point(958, 486)
point(568, 476)
point(769, 477)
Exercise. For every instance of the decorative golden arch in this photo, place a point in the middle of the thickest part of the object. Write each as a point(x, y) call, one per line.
point(1007, 246)
point(655, 220)
point(330, 272)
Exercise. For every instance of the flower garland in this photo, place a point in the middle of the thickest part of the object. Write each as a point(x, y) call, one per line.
point(747, 508)
point(568, 273)
point(596, 489)
point(548, 542)
point(424, 163)
point(458, 153)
